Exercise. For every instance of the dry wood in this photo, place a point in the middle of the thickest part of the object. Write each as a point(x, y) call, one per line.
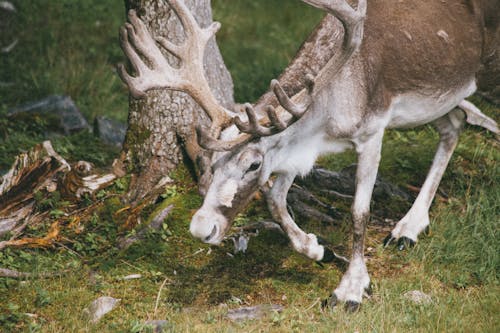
point(41, 170)
point(10, 273)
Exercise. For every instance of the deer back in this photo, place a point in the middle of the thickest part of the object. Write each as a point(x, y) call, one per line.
point(421, 46)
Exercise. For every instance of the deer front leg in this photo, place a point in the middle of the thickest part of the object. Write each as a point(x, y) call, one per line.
point(356, 280)
point(417, 218)
point(306, 244)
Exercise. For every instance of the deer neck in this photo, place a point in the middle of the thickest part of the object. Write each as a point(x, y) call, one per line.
point(295, 150)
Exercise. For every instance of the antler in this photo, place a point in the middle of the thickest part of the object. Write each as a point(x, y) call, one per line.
point(254, 128)
point(353, 22)
point(153, 70)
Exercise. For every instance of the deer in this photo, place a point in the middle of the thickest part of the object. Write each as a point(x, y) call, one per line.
point(402, 64)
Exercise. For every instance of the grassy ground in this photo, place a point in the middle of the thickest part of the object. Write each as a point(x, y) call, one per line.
point(70, 47)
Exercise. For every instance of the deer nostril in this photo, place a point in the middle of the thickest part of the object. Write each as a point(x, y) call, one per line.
point(212, 234)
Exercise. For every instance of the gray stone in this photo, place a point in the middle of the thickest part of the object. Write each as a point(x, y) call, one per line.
point(253, 312)
point(418, 297)
point(60, 112)
point(98, 308)
point(110, 131)
point(8, 27)
point(156, 325)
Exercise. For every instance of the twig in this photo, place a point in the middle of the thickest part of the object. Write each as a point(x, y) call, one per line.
point(159, 295)
point(193, 254)
point(135, 267)
point(338, 194)
point(68, 249)
point(312, 305)
point(260, 225)
point(10, 273)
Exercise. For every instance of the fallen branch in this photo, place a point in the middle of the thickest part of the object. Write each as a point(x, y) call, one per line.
point(156, 223)
point(13, 274)
point(45, 241)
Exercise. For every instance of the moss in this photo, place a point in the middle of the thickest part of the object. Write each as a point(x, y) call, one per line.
point(137, 135)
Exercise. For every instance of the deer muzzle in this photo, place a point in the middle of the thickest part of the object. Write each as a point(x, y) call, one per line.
point(208, 226)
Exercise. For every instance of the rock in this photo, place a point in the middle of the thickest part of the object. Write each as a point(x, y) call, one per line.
point(240, 243)
point(60, 111)
point(253, 312)
point(343, 183)
point(132, 277)
point(156, 325)
point(418, 297)
point(98, 308)
point(7, 27)
point(110, 131)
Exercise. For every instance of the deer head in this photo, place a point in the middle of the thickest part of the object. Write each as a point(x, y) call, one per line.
point(240, 162)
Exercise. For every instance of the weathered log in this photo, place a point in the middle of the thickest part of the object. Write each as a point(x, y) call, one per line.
point(31, 172)
point(79, 181)
point(155, 224)
point(43, 171)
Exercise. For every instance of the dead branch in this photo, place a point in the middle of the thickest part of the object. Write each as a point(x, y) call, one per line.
point(10, 273)
point(155, 224)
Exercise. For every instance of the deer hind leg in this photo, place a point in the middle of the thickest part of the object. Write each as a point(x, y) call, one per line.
point(417, 218)
point(302, 242)
point(356, 280)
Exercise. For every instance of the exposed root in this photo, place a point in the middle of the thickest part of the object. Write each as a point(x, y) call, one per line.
point(10, 273)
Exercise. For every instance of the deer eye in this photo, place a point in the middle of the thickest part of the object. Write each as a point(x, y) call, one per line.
point(253, 167)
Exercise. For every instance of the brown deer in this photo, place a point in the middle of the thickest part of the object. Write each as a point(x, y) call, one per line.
point(403, 64)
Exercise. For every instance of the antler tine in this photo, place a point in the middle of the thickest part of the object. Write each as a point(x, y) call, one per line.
point(252, 127)
point(294, 109)
point(275, 120)
point(353, 23)
point(153, 70)
point(191, 27)
point(207, 141)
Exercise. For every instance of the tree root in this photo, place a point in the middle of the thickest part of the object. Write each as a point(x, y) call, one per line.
point(156, 223)
point(10, 273)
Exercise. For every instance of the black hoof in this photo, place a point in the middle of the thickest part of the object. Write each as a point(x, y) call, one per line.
point(427, 231)
point(352, 306)
point(388, 240)
point(328, 256)
point(369, 290)
point(405, 243)
point(331, 257)
point(330, 302)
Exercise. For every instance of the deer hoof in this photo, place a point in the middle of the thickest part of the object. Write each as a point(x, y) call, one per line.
point(369, 290)
point(402, 242)
point(331, 257)
point(330, 302)
point(388, 240)
point(427, 231)
point(405, 243)
point(352, 306)
point(328, 256)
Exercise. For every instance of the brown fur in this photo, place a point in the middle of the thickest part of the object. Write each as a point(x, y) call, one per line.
point(403, 51)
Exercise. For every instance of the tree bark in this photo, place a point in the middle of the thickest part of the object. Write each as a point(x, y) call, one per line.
point(160, 126)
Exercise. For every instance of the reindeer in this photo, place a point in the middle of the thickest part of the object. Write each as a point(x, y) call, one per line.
point(402, 64)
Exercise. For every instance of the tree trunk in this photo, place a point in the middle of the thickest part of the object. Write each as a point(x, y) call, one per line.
point(160, 126)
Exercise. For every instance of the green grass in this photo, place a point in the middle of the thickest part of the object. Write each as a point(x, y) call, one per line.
point(70, 47)
point(259, 38)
